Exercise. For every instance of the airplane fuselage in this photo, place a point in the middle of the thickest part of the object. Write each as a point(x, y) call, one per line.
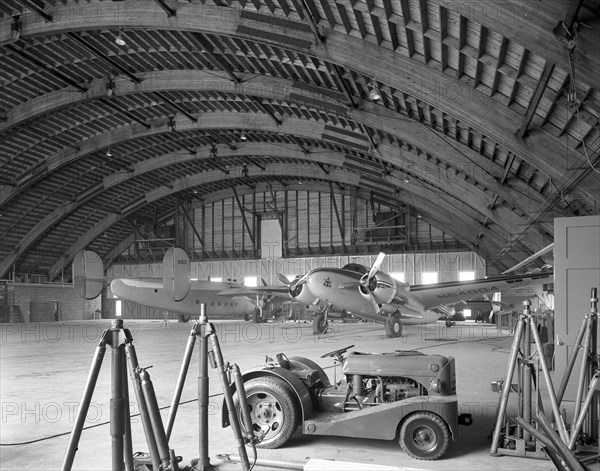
point(153, 294)
point(325, 284)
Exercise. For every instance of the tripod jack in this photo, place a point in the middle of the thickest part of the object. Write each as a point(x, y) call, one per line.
point(121, 343)
point(206, 333)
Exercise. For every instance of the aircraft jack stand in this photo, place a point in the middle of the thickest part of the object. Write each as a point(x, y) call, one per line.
point(121, 343)
point(206, 334)
point(518, 441)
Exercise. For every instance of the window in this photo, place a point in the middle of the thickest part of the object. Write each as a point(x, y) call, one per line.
point(251, 281)
point(467, 313)
point(118, 308)
point(430, 277)
point(399, 276)
point(216, 279)
point(466, 275)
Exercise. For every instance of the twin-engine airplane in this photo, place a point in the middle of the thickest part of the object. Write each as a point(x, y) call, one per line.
point(174, 293)
point(374, 295)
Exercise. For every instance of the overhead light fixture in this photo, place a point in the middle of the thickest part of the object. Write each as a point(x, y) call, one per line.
point(375, 93)
point(110, 87)
point(243, 136)
point(108, 152)
point(171, 124)
point(119, 40)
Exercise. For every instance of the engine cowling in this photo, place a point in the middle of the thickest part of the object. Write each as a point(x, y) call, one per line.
point(382, 289)
point(302, 294)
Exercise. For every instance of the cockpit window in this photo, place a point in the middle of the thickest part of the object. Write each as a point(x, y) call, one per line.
point(356, 267)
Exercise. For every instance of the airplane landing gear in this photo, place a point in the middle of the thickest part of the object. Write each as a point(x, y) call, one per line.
point(393, 326)
point(320, 324)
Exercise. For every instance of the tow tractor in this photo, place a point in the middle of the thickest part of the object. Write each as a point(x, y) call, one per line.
point(402, 395)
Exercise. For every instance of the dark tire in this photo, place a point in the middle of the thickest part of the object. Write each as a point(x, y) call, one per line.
point(393, 327)
point(319, 324)
point(424, 436)
point(273, 409)
point(256, 316)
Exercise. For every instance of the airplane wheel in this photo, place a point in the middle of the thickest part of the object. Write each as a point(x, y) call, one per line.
point(319, 324)
point(424, 436)
point(256, 316)
point(393, 327)
point(273, 410)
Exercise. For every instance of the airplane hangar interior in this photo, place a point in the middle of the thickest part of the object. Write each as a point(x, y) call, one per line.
point(299, 234)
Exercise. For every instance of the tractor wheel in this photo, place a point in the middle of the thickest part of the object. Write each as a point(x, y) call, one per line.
point(424, 436)
point(393, 327)
point(319, 324)
point(274, 412)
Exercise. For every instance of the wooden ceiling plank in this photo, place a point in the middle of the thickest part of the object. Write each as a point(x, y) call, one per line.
point(344, 16)
point(521, 63)
point(481, 44)
point(328, 13)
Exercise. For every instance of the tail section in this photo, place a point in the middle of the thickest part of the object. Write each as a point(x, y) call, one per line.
point(88, 274)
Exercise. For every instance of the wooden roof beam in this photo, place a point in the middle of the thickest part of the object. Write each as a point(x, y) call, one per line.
point(241, 207)
point(45, 66)
point(103, 57)
point(535, 99)
point(176, 106)
point(214, 59)
point(168, 10)
point(564, 29)
point(262, 106)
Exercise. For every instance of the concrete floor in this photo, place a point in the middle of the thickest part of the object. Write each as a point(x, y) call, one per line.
point(44, 368)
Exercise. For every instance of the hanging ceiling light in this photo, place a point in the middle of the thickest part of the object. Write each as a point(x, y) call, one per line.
point(243, 136)
point(374, 94)
point(108, 153)
point(119, 40)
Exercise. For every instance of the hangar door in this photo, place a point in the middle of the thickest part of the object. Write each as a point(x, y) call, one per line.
point(576, 272)
point(270, 239)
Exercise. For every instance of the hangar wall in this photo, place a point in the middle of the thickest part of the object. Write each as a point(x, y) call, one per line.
point(44, 303)
point(311, 222)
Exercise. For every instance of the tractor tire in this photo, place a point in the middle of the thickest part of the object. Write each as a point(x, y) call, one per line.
point(273, 410)
point(319, 324)
point(393, 327)
point(424, 436)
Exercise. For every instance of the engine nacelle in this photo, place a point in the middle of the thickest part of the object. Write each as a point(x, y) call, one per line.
point(384, 290)
point(302, 294)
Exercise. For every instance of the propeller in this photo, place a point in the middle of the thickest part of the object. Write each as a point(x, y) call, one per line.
point(368, 281)
point(293, 285)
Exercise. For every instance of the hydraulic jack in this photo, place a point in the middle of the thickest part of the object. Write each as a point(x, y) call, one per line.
point(121, 343)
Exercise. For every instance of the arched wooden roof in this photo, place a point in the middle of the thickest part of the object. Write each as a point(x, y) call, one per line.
point(491, 108)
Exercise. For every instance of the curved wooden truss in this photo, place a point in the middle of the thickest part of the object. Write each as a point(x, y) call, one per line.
point(487, 119)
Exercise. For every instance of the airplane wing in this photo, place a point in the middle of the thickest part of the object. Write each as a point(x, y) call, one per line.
point(438, 294)
point(280, 291)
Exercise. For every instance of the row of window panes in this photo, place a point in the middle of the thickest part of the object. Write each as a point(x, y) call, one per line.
point(428, 277)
